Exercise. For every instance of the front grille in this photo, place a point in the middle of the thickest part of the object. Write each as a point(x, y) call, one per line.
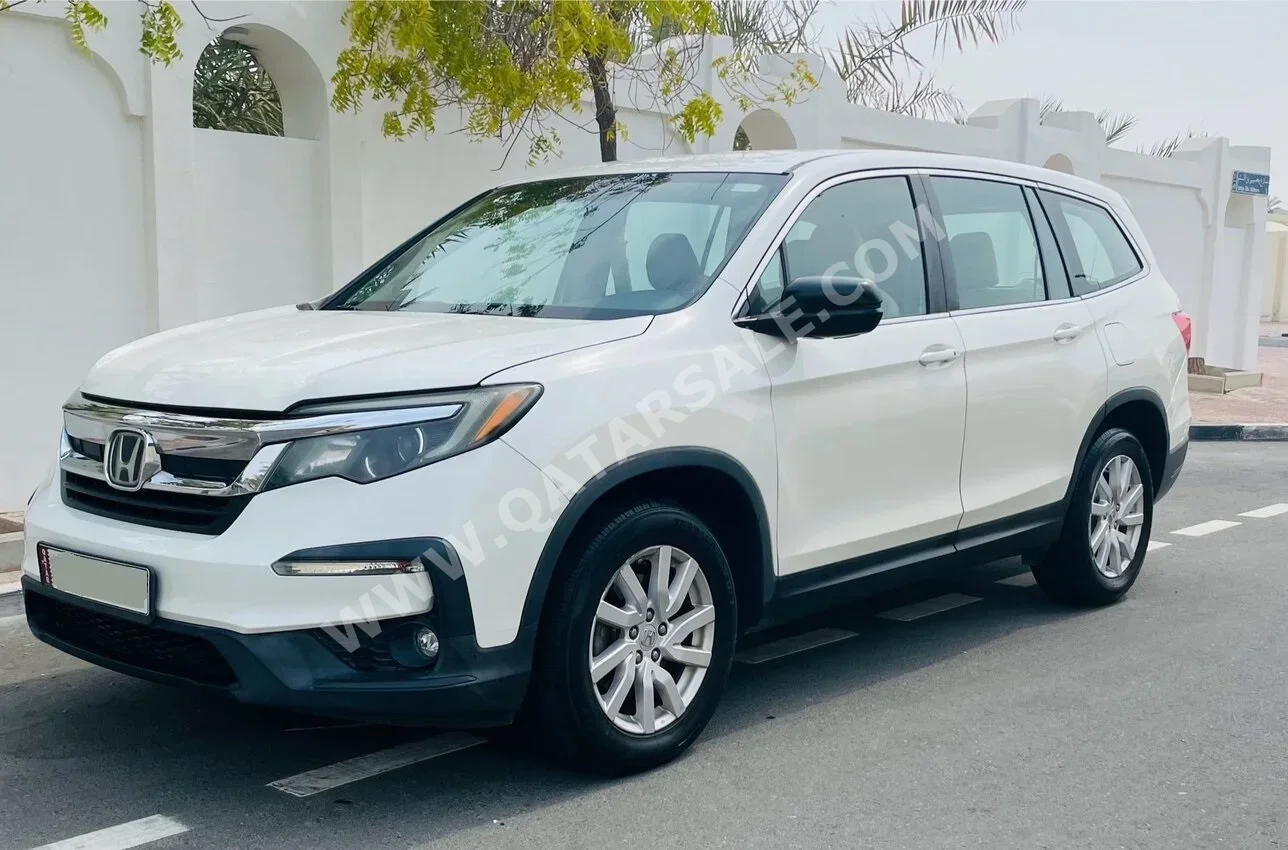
point(146, 647)
point(156, 508)
point(182, 466)
point(91, 450)
point(203, 468)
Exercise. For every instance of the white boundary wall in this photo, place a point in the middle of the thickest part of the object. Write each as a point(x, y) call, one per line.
point(118, 219)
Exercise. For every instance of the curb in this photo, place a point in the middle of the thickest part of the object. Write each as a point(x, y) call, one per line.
point(10, 552)
point(10, 582)
point(1232, 432)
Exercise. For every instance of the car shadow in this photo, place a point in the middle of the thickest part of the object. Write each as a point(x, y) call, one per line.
point(114, 740)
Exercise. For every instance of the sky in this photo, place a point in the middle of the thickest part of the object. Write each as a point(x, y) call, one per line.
point(1219, 66)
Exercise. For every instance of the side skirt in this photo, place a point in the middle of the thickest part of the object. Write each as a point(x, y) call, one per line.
point(804, 593)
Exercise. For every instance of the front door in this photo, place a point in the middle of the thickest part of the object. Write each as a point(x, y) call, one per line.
point(869, 428)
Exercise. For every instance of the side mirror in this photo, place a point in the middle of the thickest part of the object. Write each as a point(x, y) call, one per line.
point(822, 306)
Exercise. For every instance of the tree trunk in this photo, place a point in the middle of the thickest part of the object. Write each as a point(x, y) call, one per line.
point(605, 111)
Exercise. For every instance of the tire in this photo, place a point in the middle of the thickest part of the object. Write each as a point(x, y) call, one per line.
point(1069, 572)
point(566, 716)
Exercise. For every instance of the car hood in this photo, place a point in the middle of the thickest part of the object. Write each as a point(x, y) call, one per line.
point(271, 359)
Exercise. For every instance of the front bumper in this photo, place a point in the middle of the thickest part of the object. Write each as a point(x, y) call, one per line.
point(225, 581)
point(302, 670)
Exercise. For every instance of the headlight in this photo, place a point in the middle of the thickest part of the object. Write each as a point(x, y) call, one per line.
point(477, 417)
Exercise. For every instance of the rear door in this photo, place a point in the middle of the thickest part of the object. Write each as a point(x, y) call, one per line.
point(1130, 302)
point(1036, 373)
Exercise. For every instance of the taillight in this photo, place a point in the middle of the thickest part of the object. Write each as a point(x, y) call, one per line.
point(1185, 326)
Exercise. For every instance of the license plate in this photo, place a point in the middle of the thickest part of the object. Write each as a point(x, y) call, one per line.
point(110, 583)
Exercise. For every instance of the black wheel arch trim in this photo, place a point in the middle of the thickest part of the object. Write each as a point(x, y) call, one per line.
point(620, 473)
point(1114, 402)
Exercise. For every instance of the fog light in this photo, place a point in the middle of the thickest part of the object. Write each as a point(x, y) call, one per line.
point(427, 643)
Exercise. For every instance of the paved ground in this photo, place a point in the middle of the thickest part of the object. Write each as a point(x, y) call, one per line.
point(1000, 722)
point(1266, 403)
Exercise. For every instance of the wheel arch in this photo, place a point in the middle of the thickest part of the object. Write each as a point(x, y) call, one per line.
point(1139, 410)
point(707, 476)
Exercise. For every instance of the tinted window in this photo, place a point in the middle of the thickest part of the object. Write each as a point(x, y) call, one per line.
point(1102, 254)
point(865, 229)
point(588, 247)
point(991, 243)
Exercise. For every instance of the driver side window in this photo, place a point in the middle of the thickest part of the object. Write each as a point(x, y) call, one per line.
point(866, 228)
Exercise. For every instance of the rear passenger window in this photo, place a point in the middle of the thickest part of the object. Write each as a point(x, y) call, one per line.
point(991, 243)
point(1101, 254)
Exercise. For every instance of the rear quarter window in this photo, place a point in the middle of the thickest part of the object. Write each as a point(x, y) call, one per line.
point(1100, 255)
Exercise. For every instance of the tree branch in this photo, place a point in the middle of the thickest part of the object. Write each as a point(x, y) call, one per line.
point(209, 20)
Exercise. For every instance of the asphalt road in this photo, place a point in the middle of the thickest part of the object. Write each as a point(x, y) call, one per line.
point(1002, 722)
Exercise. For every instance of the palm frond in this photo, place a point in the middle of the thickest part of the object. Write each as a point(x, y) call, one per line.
point(1050, 104)
point(1115, 124)
point(922, 98)
point(873, 57)
point(232, 91)
point(1274, 205)
point(768, 26)
point(1167, 147)
point(964, 22)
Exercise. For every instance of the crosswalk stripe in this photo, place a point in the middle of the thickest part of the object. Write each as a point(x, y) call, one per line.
point(373, 764)
point(937, 605)
point(792, 645)
point(123, 836)
point(1204, 528)
point(1268, 511)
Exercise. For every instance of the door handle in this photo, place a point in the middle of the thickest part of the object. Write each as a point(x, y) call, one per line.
point(1066, 333)
point(938, 354)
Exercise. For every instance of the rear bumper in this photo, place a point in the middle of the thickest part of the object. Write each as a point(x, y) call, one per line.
point(1172, 469)
point(302, 670)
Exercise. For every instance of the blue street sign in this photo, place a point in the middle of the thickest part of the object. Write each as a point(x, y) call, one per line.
point(1248, 183)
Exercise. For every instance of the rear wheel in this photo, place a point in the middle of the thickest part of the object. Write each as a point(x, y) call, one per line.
point(636, 644)
point(1106, 530)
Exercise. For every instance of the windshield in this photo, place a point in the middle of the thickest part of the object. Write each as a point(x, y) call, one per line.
point(586, 248)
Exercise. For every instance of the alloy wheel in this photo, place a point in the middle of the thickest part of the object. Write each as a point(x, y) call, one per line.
point(1117, 516)
point(651, 642)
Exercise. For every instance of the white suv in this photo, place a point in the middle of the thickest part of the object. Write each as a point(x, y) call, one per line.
point(551, 457)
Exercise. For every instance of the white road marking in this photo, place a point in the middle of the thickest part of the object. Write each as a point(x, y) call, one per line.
point(7, 587)
point(1156, 544)
point(931, 606)
point(133, 834)
point(1268, 511)
point(1206, 527)
point(11, 537)
point(1021, 580)
point(792, 645)
point(373, 764)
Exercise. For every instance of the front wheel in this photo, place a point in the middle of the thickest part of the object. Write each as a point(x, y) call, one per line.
point(636, 644)
point(1106, 530)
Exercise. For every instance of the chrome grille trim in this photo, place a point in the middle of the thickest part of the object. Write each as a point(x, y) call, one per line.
point(250, 480)
point(259, 443)
point(231, 439)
